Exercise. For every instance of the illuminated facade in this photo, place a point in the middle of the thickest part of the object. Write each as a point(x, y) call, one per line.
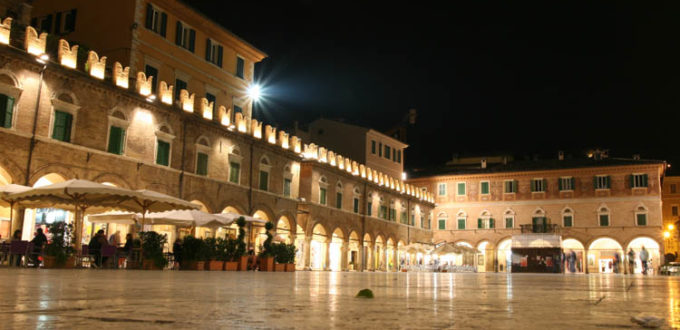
point(671, 215)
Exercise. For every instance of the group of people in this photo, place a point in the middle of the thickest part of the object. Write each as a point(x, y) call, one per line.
point(616, 264)
point(39, 242)
point(99, 241)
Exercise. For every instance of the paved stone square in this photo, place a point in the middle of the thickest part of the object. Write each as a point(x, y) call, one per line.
point(172, 299)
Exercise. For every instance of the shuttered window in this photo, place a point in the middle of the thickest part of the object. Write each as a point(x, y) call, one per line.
point(213, 52)
point(641, 219)
point(322, 196)
point(62, 126)
point(568, 221)
point(286, 187)
point(202, 164)
point(461, 224)
point(116, 140)
point(510, 186)
point(538, 185)
point(509, 222)
point(601, 182)
point(163, 153)
point(185, 37)
point(356, 205)
point(150, 71)
point(240, 67)
point(369, 209)
point(566, 184)
point(6, 111)
point(442, 224)
point(156, 20)
point(338, 200)
point(604, 220)
point(485, 187)
point(461, 188)
point(638, 181)
point(234, 172)
point(179, 85)
point(264, 180)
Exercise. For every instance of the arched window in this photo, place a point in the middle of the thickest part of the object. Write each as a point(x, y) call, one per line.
point(461, 219)
point(567, 217)
point(323, 190)
point(441, 220)
point(509, 216)
point(202, 152)
point(235, 160)
point(355, 199)
point(265, 169)
point(485, 221)
point(64, 116)
point(287, 181)
point(382, 211)
point(641, 215)
point(338, 195)
point(603, 216)
point(9, 97)
point(164, 138)
point(539, 221)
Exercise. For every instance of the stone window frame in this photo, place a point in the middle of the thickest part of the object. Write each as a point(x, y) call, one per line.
point(118, 122)
point(489, 187)
point(165, 137)
point(339, 191)
point(205, 149)
point(568, 181)
point(264, 165)
point(508, 214)
point(356, 196)
point(13, 91)
point(323, 183)
point(235, 156)
point(439, 189)
point(442, 216)
point(464, 188)
point(63, 106)
point(604, 210)
point(486, 217)
point(641, 209)
point(568, 212)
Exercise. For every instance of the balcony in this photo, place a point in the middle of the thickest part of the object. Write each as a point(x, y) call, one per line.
point(540, 228)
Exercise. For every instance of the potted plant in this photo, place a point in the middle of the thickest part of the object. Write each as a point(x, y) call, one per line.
point(227, 248)
point(152, 250)
point(59, 252)
point(290, 254)
point(280, 256)
point(266, 257)
point(193, 253)
point(240, 251)
point(212, 255)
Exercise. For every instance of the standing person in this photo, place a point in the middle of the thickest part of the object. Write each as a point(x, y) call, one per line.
point(617, 262)
point(631, 261)
point(39, 242)
point(177, 253)
point(572, 261)
point(644, 257)
point(96, 244)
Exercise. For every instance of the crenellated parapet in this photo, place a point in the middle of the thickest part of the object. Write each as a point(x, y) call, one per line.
point(68, 56)
point(5, 28)
point(95, 66)
point(35, 44)
point(121, 76)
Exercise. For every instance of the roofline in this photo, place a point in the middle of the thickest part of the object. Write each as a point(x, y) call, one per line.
point(404, 145)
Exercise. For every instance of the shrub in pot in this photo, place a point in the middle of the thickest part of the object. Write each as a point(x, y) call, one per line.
point(290, 257)
point(193, 253)
point(240, 251)
point(58, 251)
point(212, 255)
point(152, 250)
point(280, 258)
point(227, 248)
point(266, 257)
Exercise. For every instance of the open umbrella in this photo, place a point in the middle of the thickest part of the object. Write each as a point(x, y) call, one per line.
point(189, 218)
point(151, 201)
point(234, 216)
point(5, 191)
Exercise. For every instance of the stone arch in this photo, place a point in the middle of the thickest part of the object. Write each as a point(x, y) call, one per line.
point(367, 238)
point(13, 80)
point(203, 140)
point(503, 254)
point(66, 96)
point(204, 207)
point(653, 248)
point(200, 196)
point(284, 229)
point(319, 246)
point(114, 178)
point(119, 113)
point(463, 242)
point(161, 188)
point(233, 208)
point(61, 169)
point(264, 209)
point(601, 254)
point(9, 171)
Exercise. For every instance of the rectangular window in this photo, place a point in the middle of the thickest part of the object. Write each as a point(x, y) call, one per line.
point(338, 200)
point(240, 67)
point(322, 196)
point(264, 180)
point(674, 210)
point(566, 184)
point(65, 22)
point(6, 111)
point(638, 181)
point(42, 24)
point(373, 147)
point(185, 37)
point(202, 164)
point(286, 187)
point(604, 220)
point(116, 140)
point(369, 209)
point(442, 224)
point(399, 156)
point(234, 172)
point(539, 224)
point(387, 151)
point(485, 187)
point(156, 20)
point(538, 185)
point(461, 224)
point(393, 214)
point(601, 182)
point(510, 186)
point(461, 188)
point(441, 189)
point(179, 85)
point(150, 71)
point(356, 205)
point(641, 219)
point(213, 52)
point(62, 126)
point(403, 218)
point(383, 212)
point(568, 221)
point(162, 153)
point(674, 188)
point(508, 222)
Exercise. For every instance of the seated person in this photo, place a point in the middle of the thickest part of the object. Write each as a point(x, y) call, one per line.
point(39, 241)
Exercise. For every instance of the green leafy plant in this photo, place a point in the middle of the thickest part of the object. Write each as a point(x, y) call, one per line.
point(194, 249)
point(226, 248)
point(60, 244)
point(240, 243)
point(211, 252)
point(267, 245)
point(152, 247)
point(290, 253)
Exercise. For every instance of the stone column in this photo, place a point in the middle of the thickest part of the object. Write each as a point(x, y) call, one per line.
point(360, 257)
point(344, 250)
point(327, 262)
point(396, 260)
point(306, 253)
point(17, 220)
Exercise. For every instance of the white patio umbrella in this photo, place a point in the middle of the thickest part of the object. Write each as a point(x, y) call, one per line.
point(234, 216)
point(123, 218)
point(148, 201)
point(5, 191)
point(189, 218)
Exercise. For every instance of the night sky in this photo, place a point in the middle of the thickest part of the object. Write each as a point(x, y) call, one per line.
point(514, 77)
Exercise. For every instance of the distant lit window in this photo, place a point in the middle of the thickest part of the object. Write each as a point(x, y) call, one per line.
point(601, 182)
point(156, 20)
point(185, 37)
point(566, 183)
point(213, 52)
point(638, 181)
point(484, 187)
point(441, 189)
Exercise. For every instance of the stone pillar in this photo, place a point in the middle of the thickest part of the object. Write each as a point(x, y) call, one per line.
point(360, 257)
point(384, 259)
point(306, 253)
point(396, 260)
point(17, 220)
point(344, 250)
point(327, 262)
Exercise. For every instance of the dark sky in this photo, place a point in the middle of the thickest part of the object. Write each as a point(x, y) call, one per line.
point(517, 77)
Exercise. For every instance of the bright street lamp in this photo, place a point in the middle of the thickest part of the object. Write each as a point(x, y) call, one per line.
point(254, 92)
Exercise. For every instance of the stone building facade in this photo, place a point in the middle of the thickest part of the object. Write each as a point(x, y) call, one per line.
point(97, 128)
point(671, 214)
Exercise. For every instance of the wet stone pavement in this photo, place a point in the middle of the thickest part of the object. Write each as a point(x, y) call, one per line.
point(97, 299)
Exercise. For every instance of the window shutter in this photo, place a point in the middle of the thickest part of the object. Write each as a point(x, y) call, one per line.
point(559, 184)
point(609, 181)
point(573, 183)
point(164, 24)
point(149, 16)
point(644, 180)
point(631, 180)
point(208, 48)
point(219, 56)
point(178, 34)
point(202, 164)
point(68, 121)
point(6, 111)
point(491, 223)
point(515, 184)
point(533, 185)
point(595, 182)
point(192, 39)
point(479, 223)
point(545, 184)
point(114, 140)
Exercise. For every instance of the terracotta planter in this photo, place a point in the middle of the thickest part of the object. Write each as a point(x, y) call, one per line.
point(50, 262)
point(279, 267)
point(266, 264)
point(214, 265)
point(231, 265)
point(290, 267)
point(243, 264)
point(148, 264)
point(192, 265)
